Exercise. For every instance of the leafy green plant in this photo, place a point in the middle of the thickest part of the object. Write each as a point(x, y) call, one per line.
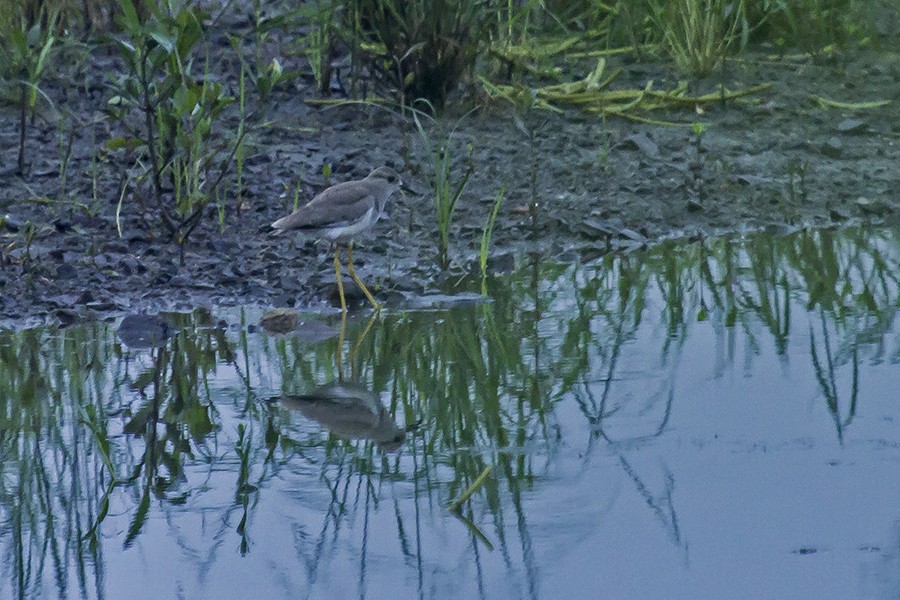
point(446, 188)
point(814, 25)
point(265, 74)
point(319, 43)
point(241, 150)
point(169, 114)
point(796, 184)
point(29, 233)
point(65, 137)
point(27, 36)
point(265, 78)
point(696, 164)
point(245, 490)
point(488, 232)
point(697, 34)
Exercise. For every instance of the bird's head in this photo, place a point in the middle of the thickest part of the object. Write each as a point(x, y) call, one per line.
point(387, 175)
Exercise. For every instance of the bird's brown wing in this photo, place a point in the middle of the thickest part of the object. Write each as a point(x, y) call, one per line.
point(342, 203)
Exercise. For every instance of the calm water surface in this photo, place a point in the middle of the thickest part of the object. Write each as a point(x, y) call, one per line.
point(715, 419)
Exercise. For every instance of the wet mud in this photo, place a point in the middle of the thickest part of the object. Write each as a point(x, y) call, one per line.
point(778, 163)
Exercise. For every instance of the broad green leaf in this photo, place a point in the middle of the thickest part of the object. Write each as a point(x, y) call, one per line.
point(129, 17)
point(166, 41)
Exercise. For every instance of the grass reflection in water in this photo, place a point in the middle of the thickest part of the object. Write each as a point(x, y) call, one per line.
point(177, 445)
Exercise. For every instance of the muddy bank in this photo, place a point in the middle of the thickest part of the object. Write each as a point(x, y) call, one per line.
point(781, 162)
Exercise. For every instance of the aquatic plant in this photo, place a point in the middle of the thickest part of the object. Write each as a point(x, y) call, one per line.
point(814, 25)
point(65, 138)
point(240, 151)
point(447, 188)
point(488, 232)
point(29, 233)
point(265, 76)
point(422, 47)
point(319, 43)
point(697, 35)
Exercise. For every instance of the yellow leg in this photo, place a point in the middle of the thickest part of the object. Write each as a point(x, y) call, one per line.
point(339, 351)
point(358, 342)
point(337, 271)
point(358, 281)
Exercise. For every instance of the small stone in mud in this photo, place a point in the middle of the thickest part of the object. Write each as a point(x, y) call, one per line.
point(62, 300)
point(754, 180)
point(280, 320)
point(115, 247)
point(642, 142)
point(130, 265)
point(144, 331)
point(11, 223)
point(852, 126)
point(833, 148)
point(633, 235)
point(352, 294)
point(501, 263)
point(283, 300)
point(102, 305)
point(65, 316)
point(289, 283)
point(838, 215)
point(66, 271)
point(872, 207)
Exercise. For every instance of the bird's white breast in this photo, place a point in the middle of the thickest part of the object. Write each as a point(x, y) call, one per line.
point(344, 232)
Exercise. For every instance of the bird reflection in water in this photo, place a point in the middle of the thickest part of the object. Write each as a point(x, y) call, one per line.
point(351, 411)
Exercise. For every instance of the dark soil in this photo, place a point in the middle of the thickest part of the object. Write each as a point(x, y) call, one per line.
point(781, 163)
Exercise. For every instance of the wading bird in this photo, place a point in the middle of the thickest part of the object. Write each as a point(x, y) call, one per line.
point(340, 213)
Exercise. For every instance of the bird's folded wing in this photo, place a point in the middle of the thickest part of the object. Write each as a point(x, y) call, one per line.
point(327, 210)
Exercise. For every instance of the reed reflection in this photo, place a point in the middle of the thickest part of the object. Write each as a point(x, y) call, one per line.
point(132, 424)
